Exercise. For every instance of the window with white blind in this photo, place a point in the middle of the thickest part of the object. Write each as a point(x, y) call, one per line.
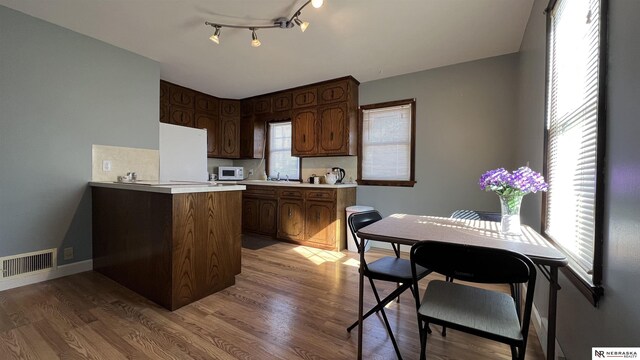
point(574, 135)
point(387, 145)
point(279, 161)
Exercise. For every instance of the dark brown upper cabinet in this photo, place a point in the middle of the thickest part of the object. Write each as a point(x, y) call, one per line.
point(305, 97)
point(282, 101)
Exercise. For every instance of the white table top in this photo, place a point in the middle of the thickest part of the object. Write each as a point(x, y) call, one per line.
point(409, 229)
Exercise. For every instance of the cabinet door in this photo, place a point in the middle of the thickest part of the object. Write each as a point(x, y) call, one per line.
point(181, 96)
point(229, 144)
point(212, 124)
point(320, 223)
point(267, 217)
point(291, 219)
point(207, 103)
point(250, 214)
point(164, 102)
point(333, 129)
point(262, 105)
point(303, 128)
point(282, 102)
point(230, 107)
point(305, 97)
point(181, 116)
point(334, 92)
point(246, 137)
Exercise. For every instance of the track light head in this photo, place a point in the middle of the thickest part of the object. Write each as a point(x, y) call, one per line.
point(303, 24)
point(317, 3)
point(254, 38)
point(216, 35)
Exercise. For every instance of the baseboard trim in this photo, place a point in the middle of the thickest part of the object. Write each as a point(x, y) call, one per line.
point(60, 271)
point(540, 325)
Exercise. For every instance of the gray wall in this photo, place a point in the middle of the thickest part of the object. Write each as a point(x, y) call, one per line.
point(615, 322)
point(61, 93)
point(464, 124)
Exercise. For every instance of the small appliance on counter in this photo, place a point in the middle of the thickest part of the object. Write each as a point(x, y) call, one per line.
point(339, 172)
point(230, 173)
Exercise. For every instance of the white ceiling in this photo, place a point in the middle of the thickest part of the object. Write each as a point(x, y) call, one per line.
point(369, 39)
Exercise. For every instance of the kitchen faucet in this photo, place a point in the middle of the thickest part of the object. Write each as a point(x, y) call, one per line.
point(278, 178)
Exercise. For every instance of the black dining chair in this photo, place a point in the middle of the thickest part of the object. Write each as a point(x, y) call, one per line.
point(486, 313)
point(476, 215)
point(388, 268)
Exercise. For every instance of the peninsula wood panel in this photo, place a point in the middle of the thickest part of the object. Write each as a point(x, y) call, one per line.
point(172, 249)
point(132, 240)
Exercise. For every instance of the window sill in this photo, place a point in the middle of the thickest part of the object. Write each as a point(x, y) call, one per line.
point(402, 183)
point(593, 293)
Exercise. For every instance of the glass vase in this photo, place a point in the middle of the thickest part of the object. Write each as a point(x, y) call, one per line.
point(510, 205)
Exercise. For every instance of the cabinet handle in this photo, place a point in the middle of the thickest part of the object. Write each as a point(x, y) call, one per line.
point(289, 212)
point(229, 143)
point(331, 136)
point(317, 216)
point(304, 138)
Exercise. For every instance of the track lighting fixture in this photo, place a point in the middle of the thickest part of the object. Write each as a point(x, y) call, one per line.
point(216, 35)
point(254, 38)
point(282, 23)
point(303, 24)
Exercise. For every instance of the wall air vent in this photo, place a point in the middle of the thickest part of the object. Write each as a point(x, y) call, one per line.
point(27, 264)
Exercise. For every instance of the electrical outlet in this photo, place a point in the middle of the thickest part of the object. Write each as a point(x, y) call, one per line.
point(250, 172)
point(106, 165)
point(68, 253)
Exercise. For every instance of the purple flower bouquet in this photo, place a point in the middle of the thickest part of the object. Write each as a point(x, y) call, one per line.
point(511, 187)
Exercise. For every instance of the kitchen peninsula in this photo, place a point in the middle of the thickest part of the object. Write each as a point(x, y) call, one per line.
point(173, 244)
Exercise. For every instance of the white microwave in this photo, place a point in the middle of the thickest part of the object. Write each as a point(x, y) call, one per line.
point(230, 173)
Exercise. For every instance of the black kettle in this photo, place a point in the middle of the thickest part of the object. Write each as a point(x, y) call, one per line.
point(339, 173)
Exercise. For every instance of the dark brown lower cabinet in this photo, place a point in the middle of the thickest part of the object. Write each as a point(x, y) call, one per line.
point(170, 248)
point(313, 216)
point(291, 219)
point(320, 219)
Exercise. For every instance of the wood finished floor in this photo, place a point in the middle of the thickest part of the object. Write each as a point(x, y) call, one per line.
point(289, 302)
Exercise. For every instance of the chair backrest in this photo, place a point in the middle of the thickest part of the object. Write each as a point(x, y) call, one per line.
point(359, 220)
point(480, 265)
point(474, 263)
point(476, 215)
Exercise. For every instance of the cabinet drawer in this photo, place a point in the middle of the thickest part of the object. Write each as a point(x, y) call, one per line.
point(291, 193)
point(325, 194)
point(260, 191)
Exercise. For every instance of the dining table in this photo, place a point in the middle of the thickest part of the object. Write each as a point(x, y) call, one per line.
point(406, 229)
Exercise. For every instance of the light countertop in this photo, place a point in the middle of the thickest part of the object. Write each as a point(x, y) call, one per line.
point(295, 184)
point(173, 187)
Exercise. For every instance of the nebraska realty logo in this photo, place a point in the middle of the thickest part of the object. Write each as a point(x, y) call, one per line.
point(614, 353)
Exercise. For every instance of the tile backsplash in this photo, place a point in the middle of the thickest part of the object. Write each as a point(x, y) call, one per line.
point(144, 162)
point(310, 166)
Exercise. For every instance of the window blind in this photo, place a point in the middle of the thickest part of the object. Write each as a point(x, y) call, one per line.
point(280, 159)
point(572, 129)
point(386, 143)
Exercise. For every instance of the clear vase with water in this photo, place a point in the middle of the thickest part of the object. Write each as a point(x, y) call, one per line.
point(510, 205)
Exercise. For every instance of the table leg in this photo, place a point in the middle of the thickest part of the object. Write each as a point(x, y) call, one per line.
point(360, 296)
point(553, 299)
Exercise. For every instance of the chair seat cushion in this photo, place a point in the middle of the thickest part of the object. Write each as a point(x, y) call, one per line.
point(479, 309)
point(391, 269)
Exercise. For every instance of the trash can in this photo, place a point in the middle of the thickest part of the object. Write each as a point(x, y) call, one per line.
point(351, 245)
